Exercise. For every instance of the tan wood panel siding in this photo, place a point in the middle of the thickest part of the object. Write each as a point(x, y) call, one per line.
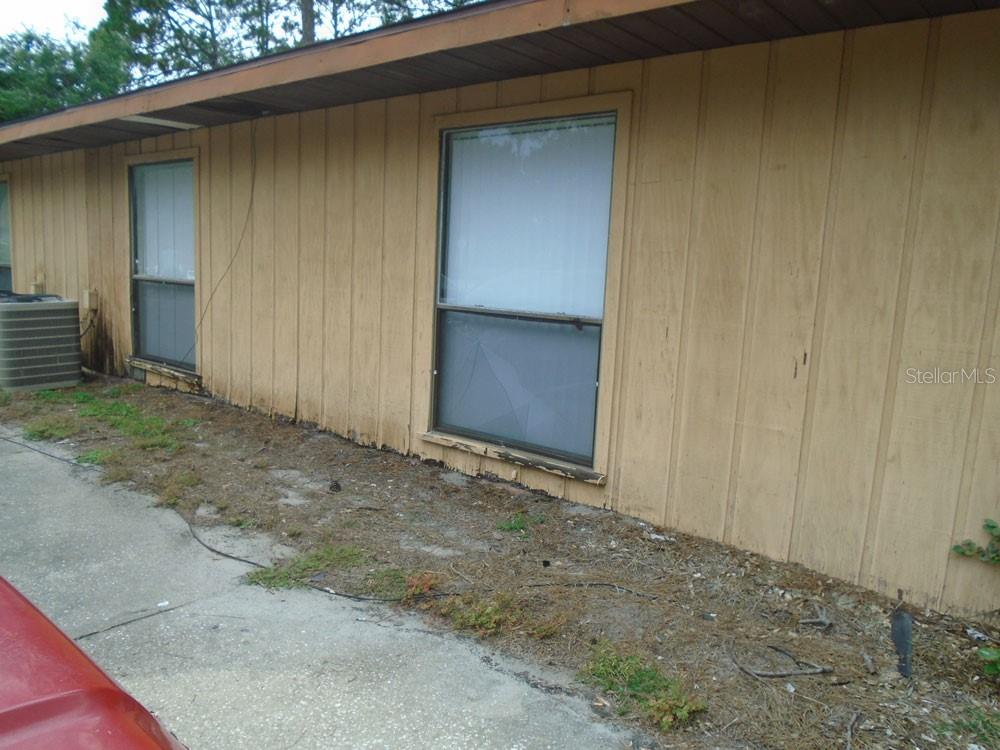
point(803, 221)
point(724, 190)
point(243, 187)
point(262, 231)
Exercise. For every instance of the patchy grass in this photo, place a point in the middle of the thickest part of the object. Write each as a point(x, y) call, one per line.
point(296, 572)
point(51, 428)
point(147, 432)
point(98, 457)
point(548, 628)
point(389, 583)
point(976, 724)
point(114, 473)
point(483, 616)
point(125, 389)
point(5, 398)
point(640, 686)
point(520, 522)
point(176, 482)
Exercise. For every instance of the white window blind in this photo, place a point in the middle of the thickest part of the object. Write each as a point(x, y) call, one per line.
point(527, 216)
point(164, 211)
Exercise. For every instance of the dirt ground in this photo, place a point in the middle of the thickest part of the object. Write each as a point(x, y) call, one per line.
point(545, 579)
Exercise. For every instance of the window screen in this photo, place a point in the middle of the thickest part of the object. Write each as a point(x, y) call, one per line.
point(163, 262)
point(521, 291)
point(5, 274)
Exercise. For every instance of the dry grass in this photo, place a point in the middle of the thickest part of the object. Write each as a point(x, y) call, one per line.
point(543, 579)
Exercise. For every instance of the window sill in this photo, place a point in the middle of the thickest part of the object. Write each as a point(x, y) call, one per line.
point(519, 457)
point(185, 376)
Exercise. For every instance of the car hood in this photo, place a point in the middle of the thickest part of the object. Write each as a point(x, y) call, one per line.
point(53, 696)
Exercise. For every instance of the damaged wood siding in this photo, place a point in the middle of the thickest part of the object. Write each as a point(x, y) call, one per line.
point(804, 220)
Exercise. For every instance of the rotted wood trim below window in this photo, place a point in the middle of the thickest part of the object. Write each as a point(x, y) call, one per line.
point(185, 379)
point(517, 457)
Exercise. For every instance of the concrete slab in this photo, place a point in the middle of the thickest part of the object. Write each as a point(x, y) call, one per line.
point(231, 666)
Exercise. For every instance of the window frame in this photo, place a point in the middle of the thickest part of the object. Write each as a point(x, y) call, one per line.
point(162, 157)
point(619, 104)
point(6, 179)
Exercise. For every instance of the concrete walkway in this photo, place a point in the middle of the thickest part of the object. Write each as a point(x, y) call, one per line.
point(226, 665)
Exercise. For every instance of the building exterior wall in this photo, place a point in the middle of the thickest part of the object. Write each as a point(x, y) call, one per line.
point(804, 222)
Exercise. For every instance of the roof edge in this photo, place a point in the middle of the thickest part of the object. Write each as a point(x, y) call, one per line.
point(462, 27)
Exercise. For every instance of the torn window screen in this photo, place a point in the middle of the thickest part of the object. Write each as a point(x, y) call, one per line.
point(523, 382)
point(526, 220)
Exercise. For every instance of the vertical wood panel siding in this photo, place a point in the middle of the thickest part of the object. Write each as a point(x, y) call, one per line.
point(805, 220)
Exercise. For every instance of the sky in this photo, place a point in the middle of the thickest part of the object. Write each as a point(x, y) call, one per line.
point(52, 16)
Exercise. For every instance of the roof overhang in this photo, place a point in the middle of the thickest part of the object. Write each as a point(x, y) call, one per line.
point(490, 41)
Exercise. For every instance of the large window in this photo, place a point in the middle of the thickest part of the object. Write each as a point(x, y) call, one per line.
point(163, 262)
point(6, 282)
point(525, 220)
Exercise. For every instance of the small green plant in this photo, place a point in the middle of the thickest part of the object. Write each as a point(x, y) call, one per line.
point(976, 724)
point(51, 428)
point(296, 572)
point(242, 522)
point(482, 616)
point(988, 554)
point(5, 398)
point(96, 457)
point(991, 662)
point(638, 685)
point(520, 522)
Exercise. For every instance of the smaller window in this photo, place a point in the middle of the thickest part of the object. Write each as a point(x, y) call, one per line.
point(6, 280)
point(163, 239)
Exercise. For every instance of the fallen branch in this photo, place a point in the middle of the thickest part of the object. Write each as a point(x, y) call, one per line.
point(821, 620)
point(806, 668)
point(461, 575)
point(850, 730)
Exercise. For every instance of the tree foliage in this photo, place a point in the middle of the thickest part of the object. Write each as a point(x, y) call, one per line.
point(42, 74)
point(142, 42)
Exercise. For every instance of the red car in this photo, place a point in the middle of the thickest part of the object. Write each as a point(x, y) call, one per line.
point(53, 697)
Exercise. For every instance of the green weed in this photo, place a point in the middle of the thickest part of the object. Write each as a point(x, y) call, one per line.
point(96, 457)
point(988, 554)
point(5, 398)
point(639, 685)
point(64, 396)
point(520, 522)
point(296, 572)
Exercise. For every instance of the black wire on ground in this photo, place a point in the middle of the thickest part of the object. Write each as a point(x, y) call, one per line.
point(355, 597)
